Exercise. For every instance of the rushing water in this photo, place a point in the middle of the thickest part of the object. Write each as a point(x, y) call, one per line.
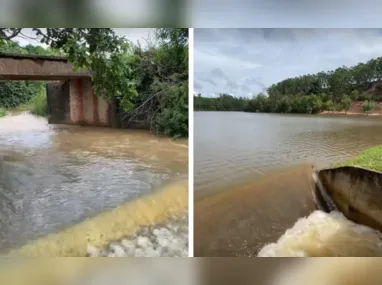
point(253, 182)
point(54, 176)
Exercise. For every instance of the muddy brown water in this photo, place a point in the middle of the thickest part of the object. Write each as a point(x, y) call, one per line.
point(53, 176)
point(253, 173)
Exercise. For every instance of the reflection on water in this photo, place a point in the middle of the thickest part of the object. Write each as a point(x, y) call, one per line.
point(230, 146)
point(252, 183)
point(53, 176)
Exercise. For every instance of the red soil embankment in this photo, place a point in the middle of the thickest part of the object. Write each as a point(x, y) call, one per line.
point(357, 109)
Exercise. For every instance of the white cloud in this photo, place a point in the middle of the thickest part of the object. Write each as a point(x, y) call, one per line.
point(254, 58)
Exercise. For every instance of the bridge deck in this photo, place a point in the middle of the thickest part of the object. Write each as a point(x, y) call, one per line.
point(33, 56)
point(14, 66)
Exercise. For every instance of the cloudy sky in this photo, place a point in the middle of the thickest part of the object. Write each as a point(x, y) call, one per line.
point(245, 61)
point(132, 34)
point(287, 13)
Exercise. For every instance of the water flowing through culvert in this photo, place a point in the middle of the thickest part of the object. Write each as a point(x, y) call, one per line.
point(55, 176)
point(276, 216)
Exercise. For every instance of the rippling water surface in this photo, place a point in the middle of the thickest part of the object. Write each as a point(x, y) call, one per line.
point(257, 172)
point(53, 176)
point(230, 146)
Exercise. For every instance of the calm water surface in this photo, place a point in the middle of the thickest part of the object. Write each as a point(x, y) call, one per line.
point(52, 176)
point(230, 146)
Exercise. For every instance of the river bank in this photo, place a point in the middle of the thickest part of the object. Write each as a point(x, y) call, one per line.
point(370, 158)
point(344, 113)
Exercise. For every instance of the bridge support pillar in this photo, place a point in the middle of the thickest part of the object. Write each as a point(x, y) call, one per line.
point(74, 102)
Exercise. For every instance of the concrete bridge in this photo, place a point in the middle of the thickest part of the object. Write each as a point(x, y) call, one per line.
point(71, 99)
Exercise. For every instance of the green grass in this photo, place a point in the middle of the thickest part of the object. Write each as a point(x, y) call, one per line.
point(37, 106)
point(371, 159)
point(3, 112)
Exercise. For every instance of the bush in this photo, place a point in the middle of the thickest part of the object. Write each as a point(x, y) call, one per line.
point(328, 105)
point(346, 103)
point(354, 95)
point(173, 119)
point(364, 96)
point(368, 106)
point(38, 105)
point(14, 94)
point(3, 112)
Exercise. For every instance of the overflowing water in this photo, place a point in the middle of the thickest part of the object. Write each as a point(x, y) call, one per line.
point(253, 184)
point(56, 176)
point(322, 234)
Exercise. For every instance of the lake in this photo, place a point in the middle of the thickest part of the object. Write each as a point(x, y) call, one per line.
point(230, 146)
point(253, 181)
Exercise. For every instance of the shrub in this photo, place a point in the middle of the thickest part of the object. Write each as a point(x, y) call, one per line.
point(38, 105)
point(346, 103)
point(14, 94)
point(173, 119)
point(368, 106)
point(328, 105)
point(3, 112)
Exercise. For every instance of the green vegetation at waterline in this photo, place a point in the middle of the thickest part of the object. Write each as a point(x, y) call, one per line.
point(223, 102)
point(371, 159)
point(3, 112)
point(38, 105)
point(149, 84)
point(332, 90)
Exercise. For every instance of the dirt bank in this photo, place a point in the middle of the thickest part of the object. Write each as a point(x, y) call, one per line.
point(357, 110)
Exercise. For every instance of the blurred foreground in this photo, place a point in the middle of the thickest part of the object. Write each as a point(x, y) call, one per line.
point(201, 271)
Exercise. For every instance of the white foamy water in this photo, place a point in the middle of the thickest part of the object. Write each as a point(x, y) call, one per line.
point(323, 234)
point(170, 240)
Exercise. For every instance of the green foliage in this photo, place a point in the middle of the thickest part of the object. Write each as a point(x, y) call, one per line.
point(14, 94)
point(161, 73)
point(368, 106)
point(3, 112)
point(353, 80)
point(223, 102)
point(38, 105)
point(173, 119)
point(354, 95)
point(328, 105)
point(345, 103)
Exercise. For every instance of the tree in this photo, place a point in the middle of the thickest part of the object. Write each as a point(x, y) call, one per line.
point(346, 103)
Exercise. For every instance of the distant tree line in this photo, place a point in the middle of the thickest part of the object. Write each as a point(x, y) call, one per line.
point(332, 90)
point(223, 102)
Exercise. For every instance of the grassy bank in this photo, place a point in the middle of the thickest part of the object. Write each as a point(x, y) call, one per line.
point(3, 112)
point(371, 159)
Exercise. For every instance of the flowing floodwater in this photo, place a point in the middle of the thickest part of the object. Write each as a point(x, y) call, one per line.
point(253, 184)
point(55, 176)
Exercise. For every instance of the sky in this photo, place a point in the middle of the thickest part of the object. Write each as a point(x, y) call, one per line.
point(132, 34)
point(242, 62)
point(287, 13)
